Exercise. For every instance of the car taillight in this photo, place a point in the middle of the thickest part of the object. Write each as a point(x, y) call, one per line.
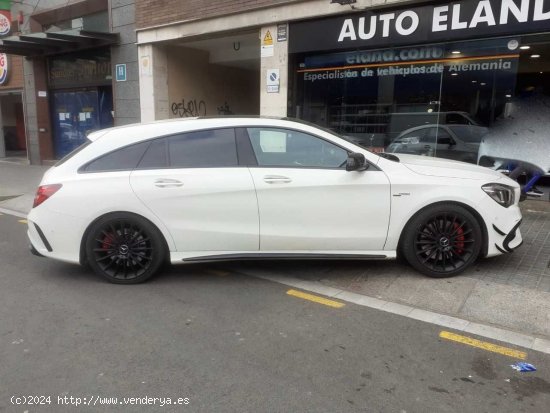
point(44, 192)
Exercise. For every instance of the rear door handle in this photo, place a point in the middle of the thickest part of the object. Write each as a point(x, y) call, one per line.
point(168, 183)
point(277, 179)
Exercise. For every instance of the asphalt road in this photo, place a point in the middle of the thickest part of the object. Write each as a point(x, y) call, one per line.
point(227, 342)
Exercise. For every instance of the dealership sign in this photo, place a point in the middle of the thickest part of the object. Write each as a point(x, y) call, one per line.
point(438, 22)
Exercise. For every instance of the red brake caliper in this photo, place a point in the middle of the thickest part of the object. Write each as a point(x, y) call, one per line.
point(107, 241)
point(459, 241)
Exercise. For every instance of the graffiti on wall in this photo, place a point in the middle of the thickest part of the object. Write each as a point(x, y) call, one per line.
point(224, 110)
point(189, 108)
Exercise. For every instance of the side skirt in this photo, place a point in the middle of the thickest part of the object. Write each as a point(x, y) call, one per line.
point(284, 256)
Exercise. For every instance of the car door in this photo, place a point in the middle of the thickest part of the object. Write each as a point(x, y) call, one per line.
point(193, 183)
point(307, 200)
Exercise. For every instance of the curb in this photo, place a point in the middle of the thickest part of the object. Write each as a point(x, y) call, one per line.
point(13, 212)
point(495, 333)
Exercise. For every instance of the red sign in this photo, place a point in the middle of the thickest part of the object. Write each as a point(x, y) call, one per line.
point(3, 68)
point(5, 22)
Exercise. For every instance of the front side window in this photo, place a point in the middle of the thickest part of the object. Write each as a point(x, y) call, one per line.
point(282, 147)
point(443, 137)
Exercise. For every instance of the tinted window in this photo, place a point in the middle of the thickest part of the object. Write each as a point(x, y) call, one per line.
point(124, 159)
point(156, 155)
point(73, 153)
point(211, 148)
point(281, 147)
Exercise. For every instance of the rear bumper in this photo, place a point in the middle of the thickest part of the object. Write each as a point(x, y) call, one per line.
point(55, 235)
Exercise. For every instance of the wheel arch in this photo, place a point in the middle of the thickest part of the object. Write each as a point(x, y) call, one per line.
point(477, 216)
point(82, 250)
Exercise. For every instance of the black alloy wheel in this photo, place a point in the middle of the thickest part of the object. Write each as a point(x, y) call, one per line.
point(125, 248)
point(442, 240)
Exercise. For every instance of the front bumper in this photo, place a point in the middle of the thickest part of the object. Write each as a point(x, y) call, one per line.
point(503, 227)
point(511, 241)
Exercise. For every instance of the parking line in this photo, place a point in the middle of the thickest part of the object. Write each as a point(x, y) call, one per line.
point(315, 299)
point(495, 348)
point(23, 221)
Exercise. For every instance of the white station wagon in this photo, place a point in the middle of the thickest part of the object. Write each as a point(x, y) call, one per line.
point(197, 190)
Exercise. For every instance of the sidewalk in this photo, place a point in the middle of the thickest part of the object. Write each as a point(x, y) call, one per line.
point(510, 291)
point(18, 185)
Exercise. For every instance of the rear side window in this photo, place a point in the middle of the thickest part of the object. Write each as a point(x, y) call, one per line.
point(72, 153)
point(156, 155)
point(124, 159)
point(210, 148)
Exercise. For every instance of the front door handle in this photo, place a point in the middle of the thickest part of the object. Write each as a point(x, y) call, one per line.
point(168, 183)
point(277, 179)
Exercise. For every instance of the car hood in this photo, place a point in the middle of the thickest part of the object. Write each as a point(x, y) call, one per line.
point(425, 165)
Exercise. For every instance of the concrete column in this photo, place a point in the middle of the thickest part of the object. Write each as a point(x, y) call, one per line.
point(31, 119)
point(2, 140)
point(153, 82)
point(273, 104)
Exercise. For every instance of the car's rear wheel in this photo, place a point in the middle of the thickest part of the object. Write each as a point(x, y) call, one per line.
point(442, 240)
point(125, 248)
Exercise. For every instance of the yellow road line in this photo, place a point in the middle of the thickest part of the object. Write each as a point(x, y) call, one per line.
point(483, 345)
point(22, 221)
point(315, 299)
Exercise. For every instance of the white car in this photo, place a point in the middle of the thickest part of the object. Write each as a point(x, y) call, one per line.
point(199, 190)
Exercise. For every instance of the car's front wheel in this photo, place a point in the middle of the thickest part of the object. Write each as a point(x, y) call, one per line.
point(442, 240)
point(125, 248)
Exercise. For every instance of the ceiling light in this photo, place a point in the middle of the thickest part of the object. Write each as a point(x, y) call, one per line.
point(508, 96)
point(535, 56)
point(455, 52)
point(483, 83)
point(474, 81)
point(525, 47)
point(454, 74)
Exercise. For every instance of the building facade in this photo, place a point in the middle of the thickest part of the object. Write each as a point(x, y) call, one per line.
point(465, 80)
point(78, 66)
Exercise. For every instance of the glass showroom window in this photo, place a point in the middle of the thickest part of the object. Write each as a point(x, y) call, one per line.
point(452, 100)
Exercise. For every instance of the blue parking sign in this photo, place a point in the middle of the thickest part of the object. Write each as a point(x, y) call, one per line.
point(120, 72)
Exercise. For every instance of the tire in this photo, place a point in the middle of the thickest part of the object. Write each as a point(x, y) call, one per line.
point(442, 240)
point(125, 248)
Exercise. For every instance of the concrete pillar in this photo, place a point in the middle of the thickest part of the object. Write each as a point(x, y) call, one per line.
point(31, 118)
point(275, 57)
point(153, 82)
point(2, 140)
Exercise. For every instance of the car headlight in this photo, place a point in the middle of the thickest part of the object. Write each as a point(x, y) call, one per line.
point(502, 194)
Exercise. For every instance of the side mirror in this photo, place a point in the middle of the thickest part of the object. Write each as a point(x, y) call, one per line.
point(356, 162)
